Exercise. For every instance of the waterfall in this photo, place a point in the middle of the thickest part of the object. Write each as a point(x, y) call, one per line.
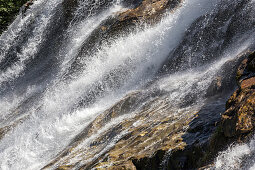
point(52, 87)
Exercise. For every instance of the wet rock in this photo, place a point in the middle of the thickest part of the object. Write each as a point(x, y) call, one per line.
point(240, 114)
point(149, 132)
point(251, 65)
point(149, 9)
point(224, 81)
point(131, 3)
point(241, 70)
point(210, 132)
point(154, 138)
point(194, 153)
point(248, 82)
point(215, 87)
point(65, 167)
point(239, 117)
point(246, 69)
point(238, 121)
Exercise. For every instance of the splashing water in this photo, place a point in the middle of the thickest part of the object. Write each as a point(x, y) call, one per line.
point(237, 156)
point(45, 116)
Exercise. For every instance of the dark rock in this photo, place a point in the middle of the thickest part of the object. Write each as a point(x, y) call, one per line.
point(152, 163)
point(224, 81)
point(251, 65)
point(215, 87)
point(196, 138)
point(131, 3)
point(246, 69)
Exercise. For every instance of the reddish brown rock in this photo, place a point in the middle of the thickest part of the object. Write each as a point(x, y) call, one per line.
point(239, 116)
point(248, 83)
point(238, 119)
point(149, 9)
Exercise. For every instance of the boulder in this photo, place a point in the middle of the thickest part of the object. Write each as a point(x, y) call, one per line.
point(238, 121)
point(240, 114)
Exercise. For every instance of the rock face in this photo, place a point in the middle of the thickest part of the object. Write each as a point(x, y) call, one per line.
point(240, 114)
point(238, 121)
point(155, 137)
point(203, 139)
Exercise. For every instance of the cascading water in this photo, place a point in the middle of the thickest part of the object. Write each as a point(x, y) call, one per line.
point(51, 92)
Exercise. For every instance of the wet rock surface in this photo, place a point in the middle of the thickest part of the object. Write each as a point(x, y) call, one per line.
point(239, 116)
point(151, 135)
point(148, 10)
point(155, 137)
point(196, 139)
point(237, 122)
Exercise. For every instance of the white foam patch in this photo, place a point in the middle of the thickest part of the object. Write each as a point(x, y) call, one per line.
point(232, 157)
point(237, 156)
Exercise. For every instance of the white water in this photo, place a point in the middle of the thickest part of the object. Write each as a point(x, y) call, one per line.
point(237, 156)
point(55, 120)
point(28, 49)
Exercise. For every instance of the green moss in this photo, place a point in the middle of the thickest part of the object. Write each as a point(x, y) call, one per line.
point(8, 10)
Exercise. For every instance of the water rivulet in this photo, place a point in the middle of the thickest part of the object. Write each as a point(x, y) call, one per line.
point(136, 84)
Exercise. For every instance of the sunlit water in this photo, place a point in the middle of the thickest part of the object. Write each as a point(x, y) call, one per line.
point(126, 64)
